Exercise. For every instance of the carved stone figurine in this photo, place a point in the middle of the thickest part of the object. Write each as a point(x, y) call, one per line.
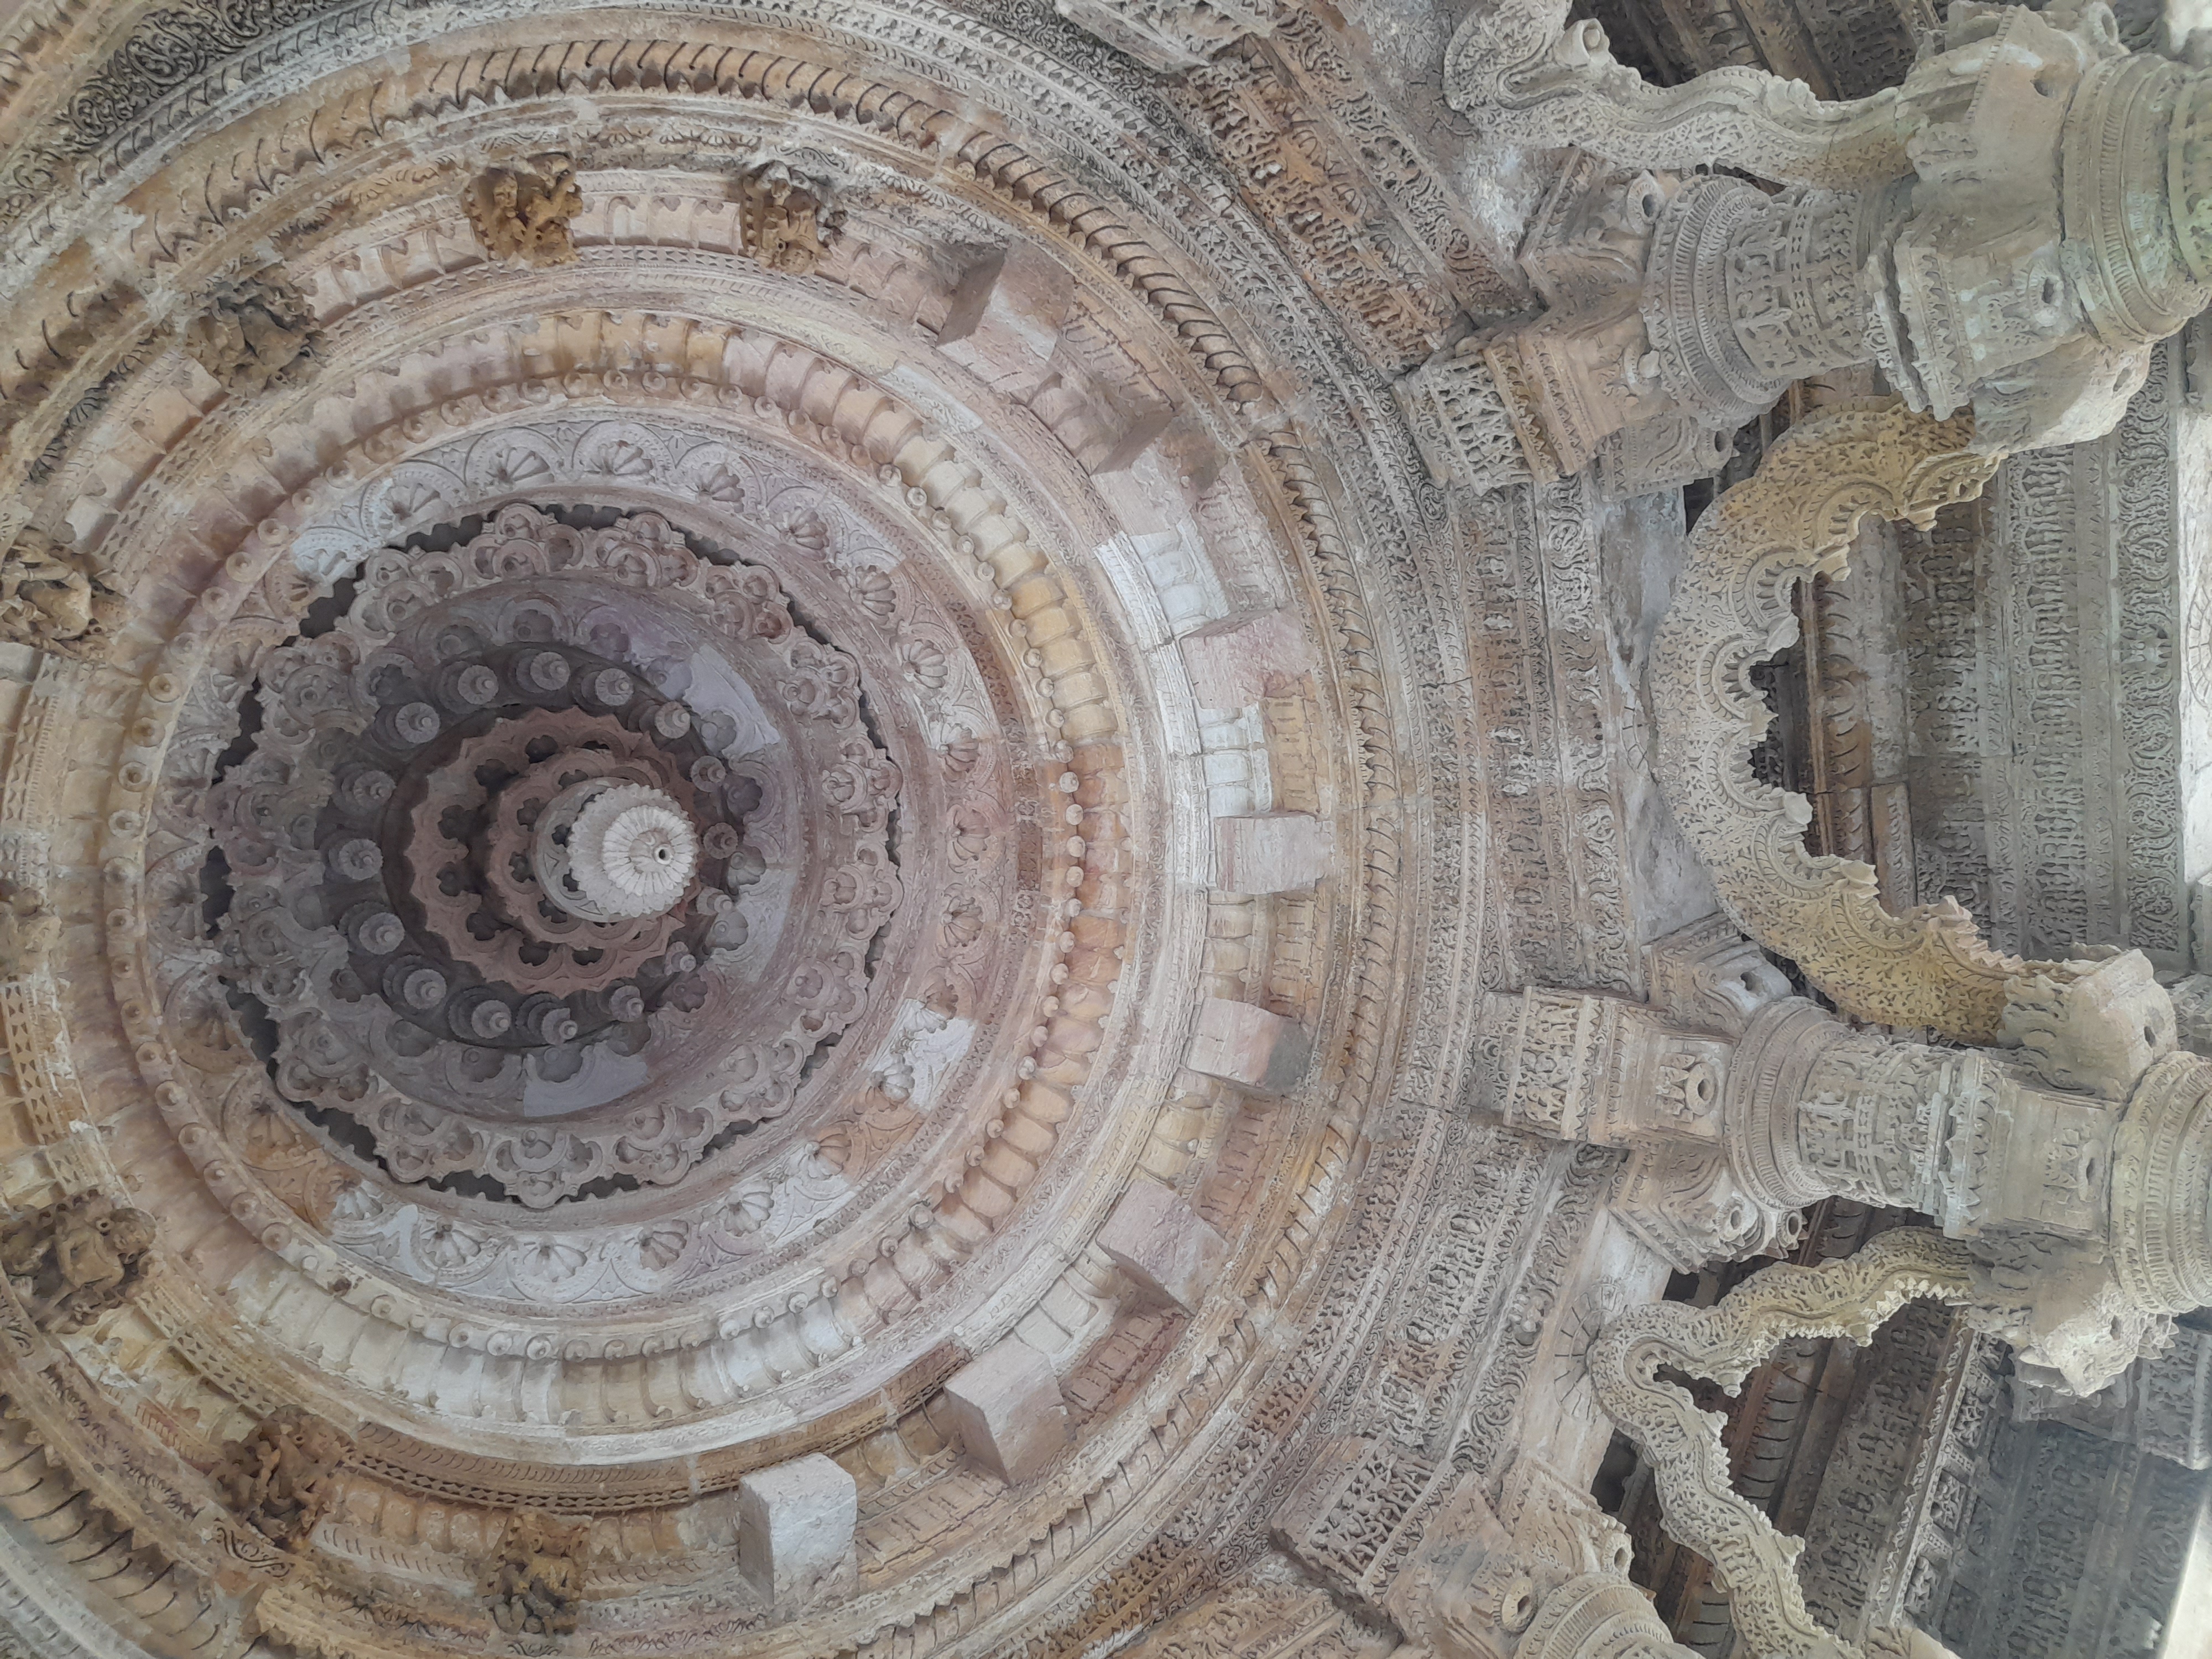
point(73, 1261)
point(51, 597)
point(781, 217)
point(523, 216)
point(27, 932)
point(535, 1580)
point(255, 333)
point(279, 1478)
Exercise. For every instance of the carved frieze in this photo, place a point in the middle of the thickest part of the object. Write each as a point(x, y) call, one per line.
point(2050, 668)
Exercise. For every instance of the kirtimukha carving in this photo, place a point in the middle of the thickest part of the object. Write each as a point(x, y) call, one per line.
point(522, 214)
point(535, 1581)
point(71, 1261)
point(52, 597)
point(280, 1479)
point(784, 218)
point(1932, 230)
point(255, 334)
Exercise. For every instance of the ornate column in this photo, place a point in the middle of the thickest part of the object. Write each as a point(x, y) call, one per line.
point(1964, 233)
point(2077, 1165)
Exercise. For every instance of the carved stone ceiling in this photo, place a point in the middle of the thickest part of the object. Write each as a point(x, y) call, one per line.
point(925, 480)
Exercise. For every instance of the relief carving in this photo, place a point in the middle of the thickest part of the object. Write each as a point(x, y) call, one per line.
point(784, 217)
point(255, 333)
point(71, 1261)
point(521, 214)
point(534, 1581)
point(54, 599)
point(28, 932)
point(282, 1478)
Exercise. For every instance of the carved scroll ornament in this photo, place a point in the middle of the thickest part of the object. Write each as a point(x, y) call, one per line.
point(1755, 1563)
point(1537, 78)
point(1793, 522)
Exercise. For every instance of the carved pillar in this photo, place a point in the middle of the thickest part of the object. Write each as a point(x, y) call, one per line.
point(2091, 1215)
point(1934, 233)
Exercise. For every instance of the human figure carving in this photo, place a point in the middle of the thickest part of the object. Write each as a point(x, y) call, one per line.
point(781, 219)
point(536, 1578)
point(27, 932)
point(523, 216)
point(72, 1261)
point(279, 1478)
point(51, 597)
point(255, 334)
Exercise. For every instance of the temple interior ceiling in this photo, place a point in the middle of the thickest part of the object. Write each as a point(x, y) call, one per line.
point(876, 828)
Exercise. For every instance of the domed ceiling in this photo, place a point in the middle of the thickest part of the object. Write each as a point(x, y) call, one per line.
point(712, 676)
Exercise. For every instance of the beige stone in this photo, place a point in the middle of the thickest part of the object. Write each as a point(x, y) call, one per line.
point(1242, 1042)
point(1007, 1411)
point(1269, 852)
point(1162, 1245)
point(795, 1531)
point(1005, 316)
point(1229, 661)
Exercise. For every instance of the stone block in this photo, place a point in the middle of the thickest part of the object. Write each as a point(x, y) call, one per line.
point(795, 1525)
point(1162, 1245)
point(1007, 1411)
point(1241, 1042)
point(1269, 852)
point(1004, 318)
point(1229, 660)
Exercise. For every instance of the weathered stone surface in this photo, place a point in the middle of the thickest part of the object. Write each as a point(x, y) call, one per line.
point(699, 702)
point(1154, 1237)
point(1241, 1042)
point(1269, 852)
point(795, 1532)
point(1007, 1411)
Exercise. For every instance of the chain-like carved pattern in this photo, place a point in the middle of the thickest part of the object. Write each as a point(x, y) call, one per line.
point(1791, 522)
point(1537, 78)
point(1756, 1563)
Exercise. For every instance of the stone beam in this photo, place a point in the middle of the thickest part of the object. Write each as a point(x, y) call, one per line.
point(1162, 1246)
point(1241, 1042)
point(795, 1524)
point(1007, 1411)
